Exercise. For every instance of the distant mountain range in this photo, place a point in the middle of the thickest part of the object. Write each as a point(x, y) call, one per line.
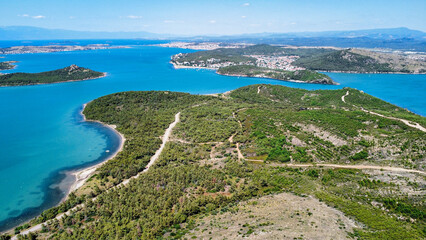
point(36, 33)
point(394, 38)
point(384, 33)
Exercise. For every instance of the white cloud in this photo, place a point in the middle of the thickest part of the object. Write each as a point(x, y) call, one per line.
point(212, 21)
point(71, 17)
point(35, 17)
point(243, 16)
point(246, 4)
point(134, 17)
point(168, 21)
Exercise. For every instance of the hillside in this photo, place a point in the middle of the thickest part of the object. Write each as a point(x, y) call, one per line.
point(398, 62)
point(229, 155)
point(362, 61)
point(344, 61)
point(71, 73)
point(262, 61)
point(296, 63)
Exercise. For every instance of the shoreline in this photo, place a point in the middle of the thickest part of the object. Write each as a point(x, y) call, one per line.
point(413, 73)
point(236, 75)
point(48, 49)
point(190, 67)
point(265, 77)
point(104, 74)
point(11, 64)
point(73, 178)
point(82, 175)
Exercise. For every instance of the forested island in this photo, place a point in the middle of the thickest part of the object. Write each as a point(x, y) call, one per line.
point(343, 163)
point(286, 63)
point(7, 65)
point(67, 74)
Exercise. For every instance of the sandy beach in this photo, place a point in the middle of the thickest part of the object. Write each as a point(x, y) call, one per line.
point(81, 176)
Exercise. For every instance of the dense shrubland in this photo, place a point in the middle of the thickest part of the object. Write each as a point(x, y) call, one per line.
point(71, 73)
point(199, 172)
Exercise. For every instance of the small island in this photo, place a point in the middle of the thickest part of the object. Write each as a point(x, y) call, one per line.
point(7, 65)
point(68, 74)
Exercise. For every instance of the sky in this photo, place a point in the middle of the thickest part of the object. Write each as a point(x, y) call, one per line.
point(215, 17)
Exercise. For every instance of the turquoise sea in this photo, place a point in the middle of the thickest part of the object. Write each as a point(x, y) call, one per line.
point(42, 133)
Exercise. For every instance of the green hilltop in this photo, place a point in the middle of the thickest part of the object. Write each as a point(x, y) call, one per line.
point(257, 141)
point(71, 73)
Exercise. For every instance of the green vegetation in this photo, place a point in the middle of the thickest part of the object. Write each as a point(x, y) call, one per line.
point(200, 173)
point(343, 61)
point(239, 62)
point(253, 71)
point(245, 62)
point(142, 115)
point(71, 73)
point(360, 155)
point(7, 65)
point(399, 62)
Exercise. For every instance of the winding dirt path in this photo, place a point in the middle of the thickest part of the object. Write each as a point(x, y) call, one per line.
point(157, 154)
point(343, 97)
point(360, 167)
point(406, 122)
point(154, 158)
point(231, 139)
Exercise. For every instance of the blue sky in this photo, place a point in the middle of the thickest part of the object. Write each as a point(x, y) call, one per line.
point(214, 17)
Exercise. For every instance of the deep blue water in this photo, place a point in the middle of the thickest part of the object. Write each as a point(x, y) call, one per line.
point(42, 133)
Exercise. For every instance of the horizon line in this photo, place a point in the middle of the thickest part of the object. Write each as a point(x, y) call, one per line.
point(210, 34)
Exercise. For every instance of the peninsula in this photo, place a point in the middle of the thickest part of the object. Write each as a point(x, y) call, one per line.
point(262, 160)
point(298, 63)
point(55, 48)
point(202, 45)
point(262, 61)
point(67, 74)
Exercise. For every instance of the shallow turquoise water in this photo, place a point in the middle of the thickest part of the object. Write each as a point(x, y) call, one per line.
point(41, 132)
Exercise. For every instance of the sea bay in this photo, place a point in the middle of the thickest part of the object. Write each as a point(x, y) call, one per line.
point(42, 133)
